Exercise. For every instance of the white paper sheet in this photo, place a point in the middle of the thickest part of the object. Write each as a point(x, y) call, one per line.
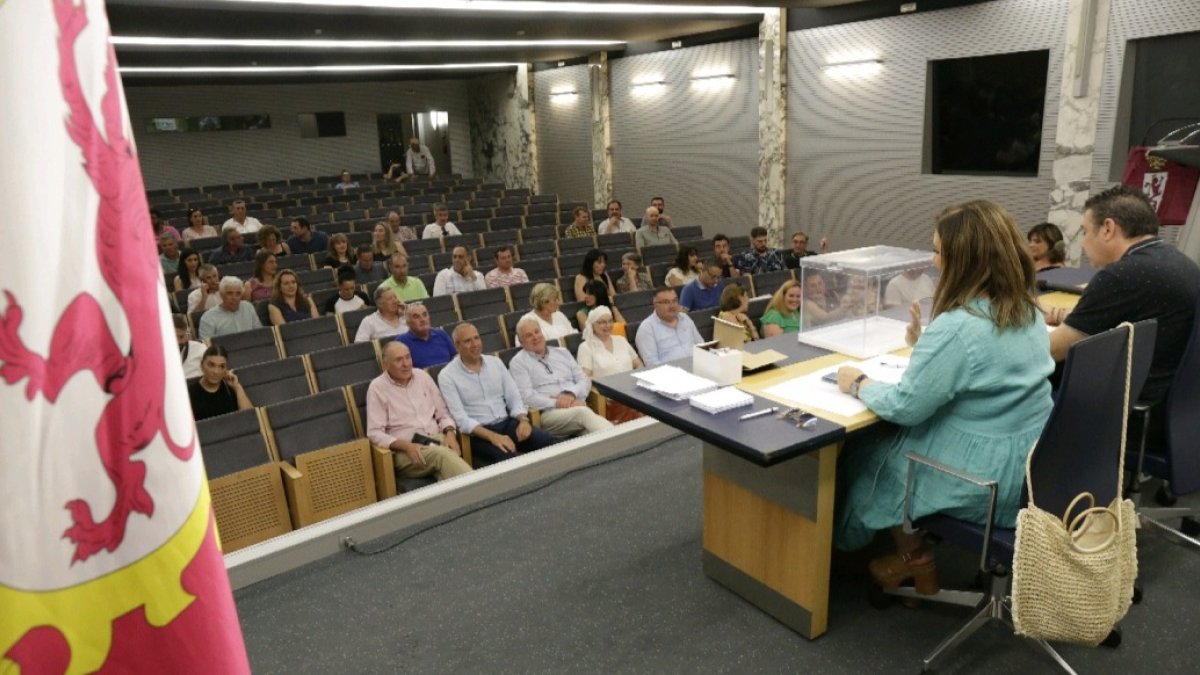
point(810, 391)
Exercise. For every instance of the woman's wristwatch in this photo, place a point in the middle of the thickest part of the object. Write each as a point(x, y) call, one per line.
point(857, 384)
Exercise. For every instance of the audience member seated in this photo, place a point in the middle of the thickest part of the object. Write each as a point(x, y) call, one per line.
point(198, 227)
point(800, 250)
point(633, 277)
point(348, 298)
point(238, 220)
point(407, 288)
point(723, 253)
point(823, 304)
point(661, 204)
point(218, 391)
point(159, 226)
point(169, 257)
point(261, 286)
point(429, 346)
point(705, 291)
point(485, 403)
point(666, 335)
point(418, 161)
point(551, 381)
point(188, 275)
point(652, 233)
point(383, 244)
point(289, 302)
point(365, 269)
point(908, 287)
point(233, 315)
point(582, 225)
point(346, 183)
point(460, 277)
point(595, 296)
point(407, 414)
point(974, 397)
point(400, 232)
point(1047, 247)
point(191, 352)
point(760, 258)
point(441, 225)
point(233, 249)
point(686, 269)
point(545, 300)
point(206, 295)
point(305, 240)
point(616, 222)
point(735, 302)
point(602, 353)
point(386, 321)
point(271, 239)
point(339, 252)
point(1141, 277)
point(783, 311)
point(504, 273)
point(593, 267)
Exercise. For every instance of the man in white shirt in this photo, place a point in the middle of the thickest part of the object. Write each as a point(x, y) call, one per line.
point(666, 335)
point(386, 321)
point(616, 222)
point(232, 315)
point(441, 225)
point(906, 287)
point(460, 277)
point(551, 381)
point(205, 297)
point(505, 274)
point(418, 161)
point(240, 221)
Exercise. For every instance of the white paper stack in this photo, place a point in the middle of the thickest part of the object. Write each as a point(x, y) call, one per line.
point(725, 398)
point(673, 382)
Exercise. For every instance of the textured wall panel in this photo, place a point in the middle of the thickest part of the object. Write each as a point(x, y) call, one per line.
point(189, 159)
point(565, 133)
point(855, 141)
point(1132, 20)
point(696, 145)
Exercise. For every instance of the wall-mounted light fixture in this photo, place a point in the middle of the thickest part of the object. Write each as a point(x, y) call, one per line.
point(712, 80)
point(855, 62)
point(564, 94)
point(850, 65)
point(648, 85)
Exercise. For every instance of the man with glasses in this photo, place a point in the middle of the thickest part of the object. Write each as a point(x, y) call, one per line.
point(666, 335)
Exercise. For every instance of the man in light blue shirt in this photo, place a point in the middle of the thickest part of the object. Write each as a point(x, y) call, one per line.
point(666, 335)
point(551, 381)
point(484, 401)
point(705, 290)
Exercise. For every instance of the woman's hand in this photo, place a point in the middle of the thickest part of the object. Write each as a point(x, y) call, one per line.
point(913, 333)
point(846, 377)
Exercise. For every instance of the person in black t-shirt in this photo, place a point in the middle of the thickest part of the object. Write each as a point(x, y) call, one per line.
point(1141, 277)
point(800, 250)
point(217, 391)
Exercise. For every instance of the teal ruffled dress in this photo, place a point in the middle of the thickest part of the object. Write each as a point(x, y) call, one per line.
point(973, 398)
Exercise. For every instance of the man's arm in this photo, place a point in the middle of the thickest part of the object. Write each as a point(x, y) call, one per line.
point(454, 402)
point(1061, 340)
point(376, 415)
point(432, 164)
point(647, 344)
point(583, 386)
point(207, 328)
point(439, 282)
point(512, 396)
point(408, 161)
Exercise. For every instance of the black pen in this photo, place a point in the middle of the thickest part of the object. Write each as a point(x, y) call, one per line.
point(757, 413)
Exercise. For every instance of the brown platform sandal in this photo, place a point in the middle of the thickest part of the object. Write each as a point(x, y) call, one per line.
point(891, 570)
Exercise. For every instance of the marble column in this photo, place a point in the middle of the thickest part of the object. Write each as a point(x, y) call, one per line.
point(503, 129)
point(1078, 109)
point(602, 160)
point(772, 125)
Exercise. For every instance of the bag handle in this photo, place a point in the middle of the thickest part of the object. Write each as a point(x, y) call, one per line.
point(1124, 431)
point(1075, 523)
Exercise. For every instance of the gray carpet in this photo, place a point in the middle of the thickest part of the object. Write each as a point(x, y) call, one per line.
point(600, 572)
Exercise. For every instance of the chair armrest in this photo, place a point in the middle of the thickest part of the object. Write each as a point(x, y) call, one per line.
point(464, 443)
point(989, 485)
point(385, 471)
point(535, 417)
point(597, 403)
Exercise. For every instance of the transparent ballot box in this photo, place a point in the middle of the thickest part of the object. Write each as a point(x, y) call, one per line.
point(857, 302)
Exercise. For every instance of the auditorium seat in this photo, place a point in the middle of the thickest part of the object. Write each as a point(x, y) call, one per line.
point(315, 279)
point(508, 211)
point(249, 347)
point(683, 232)
point(507, 222)
point(769, 282)
point(506, 355)
point(569, 245)
point(509, 237)
point(744, 282)
point(491, 333)
point(658, 254)
point(275, 381)
point(320, 296)
point(310, 335)
point(472, 227)
point(540, 269)
point(420, 248)
point(441, 309)
point(340, 366)
point(635, 306)
point(757, 308)
point(427, 278)
point(610, 242)
point(540, 219)
point(488, 302)
point(544, 247)
point(570, 264)
point(703, 318)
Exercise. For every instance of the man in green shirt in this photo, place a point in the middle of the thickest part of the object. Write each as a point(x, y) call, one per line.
point(406, 288)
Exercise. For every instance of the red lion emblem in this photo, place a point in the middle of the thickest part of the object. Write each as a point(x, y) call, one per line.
point(125, 252)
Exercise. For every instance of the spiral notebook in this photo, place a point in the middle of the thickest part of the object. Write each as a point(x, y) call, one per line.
point(720, 400)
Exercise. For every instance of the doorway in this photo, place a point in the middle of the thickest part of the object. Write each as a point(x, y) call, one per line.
point(432, 128)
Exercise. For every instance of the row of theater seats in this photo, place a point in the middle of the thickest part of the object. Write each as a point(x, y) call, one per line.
point(325, 185)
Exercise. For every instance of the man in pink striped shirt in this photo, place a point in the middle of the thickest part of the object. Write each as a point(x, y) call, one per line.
point(406, 413)
point(505, 274)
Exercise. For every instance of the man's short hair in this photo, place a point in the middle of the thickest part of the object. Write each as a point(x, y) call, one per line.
point(180, 321)
point(458, 329)
point(711, 263)
point(800, 233)
point(659, 199)
point(524, 322)
point(664, 289)
point(614, 201)
point(167, 235)
point(302, 221)
point(205, 268)
point(439, 207)
point(229, 283)
point(345, 273)
point(364, 249)
point(380, 290)
point(228, 233)
point(502, 249)
point(631, 257)
point(758, 231)
point(1127, 207)
point(578, 209)
point(411, 309)
point(719, 237)
point(236, 202)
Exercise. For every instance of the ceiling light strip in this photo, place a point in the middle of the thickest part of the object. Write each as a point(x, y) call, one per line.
point(254, 70)
point(148, 41)
point(526, 6)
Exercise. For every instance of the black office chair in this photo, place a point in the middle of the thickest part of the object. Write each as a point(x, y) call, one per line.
point(1171, 455)
point(1078, 451)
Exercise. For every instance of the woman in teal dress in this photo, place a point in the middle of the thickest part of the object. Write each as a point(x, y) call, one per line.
point(975, 396)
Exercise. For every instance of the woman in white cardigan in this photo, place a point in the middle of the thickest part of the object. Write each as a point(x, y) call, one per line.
point(601, 353)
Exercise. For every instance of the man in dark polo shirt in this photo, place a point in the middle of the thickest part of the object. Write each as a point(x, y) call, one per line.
point(1141, 277)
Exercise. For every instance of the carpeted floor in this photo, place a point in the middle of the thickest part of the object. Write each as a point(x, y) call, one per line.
point(600, 572)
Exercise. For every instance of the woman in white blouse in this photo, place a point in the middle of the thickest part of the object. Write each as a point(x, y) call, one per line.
point(601, 353)
point(545, 300)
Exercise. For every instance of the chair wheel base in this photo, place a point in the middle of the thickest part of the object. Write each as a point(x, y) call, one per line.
point(1113, 640)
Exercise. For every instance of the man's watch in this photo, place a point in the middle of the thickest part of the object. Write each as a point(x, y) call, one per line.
point(857, 384)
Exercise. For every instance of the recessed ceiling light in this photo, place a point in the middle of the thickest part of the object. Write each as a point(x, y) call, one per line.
point(299, 70)
point(527, 6)
point(257, 43)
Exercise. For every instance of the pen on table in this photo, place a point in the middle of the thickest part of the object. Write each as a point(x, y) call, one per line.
point(757, 413)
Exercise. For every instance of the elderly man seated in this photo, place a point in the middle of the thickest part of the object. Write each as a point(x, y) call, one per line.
point(233, 315)
point(386, 321)
point(666, 335)
point(430, 346)
point(485, 403)
point(407, 414)
point(551, 381)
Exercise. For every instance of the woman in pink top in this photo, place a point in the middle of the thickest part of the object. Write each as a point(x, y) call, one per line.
point(261, 285)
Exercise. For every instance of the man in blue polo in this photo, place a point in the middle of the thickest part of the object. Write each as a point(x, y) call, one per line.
point(705, 290)
point(429, 346)
point(666, 334)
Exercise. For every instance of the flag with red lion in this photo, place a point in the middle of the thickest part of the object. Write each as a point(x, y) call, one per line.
point(108, 552)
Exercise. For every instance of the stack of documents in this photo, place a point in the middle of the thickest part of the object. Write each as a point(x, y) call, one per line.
point(673, 382)
point(725, 398)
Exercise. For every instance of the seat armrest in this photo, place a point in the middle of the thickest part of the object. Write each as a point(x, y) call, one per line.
point(1142, 410)
point(597, 403)
point(385, 471)
point(989, 485)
